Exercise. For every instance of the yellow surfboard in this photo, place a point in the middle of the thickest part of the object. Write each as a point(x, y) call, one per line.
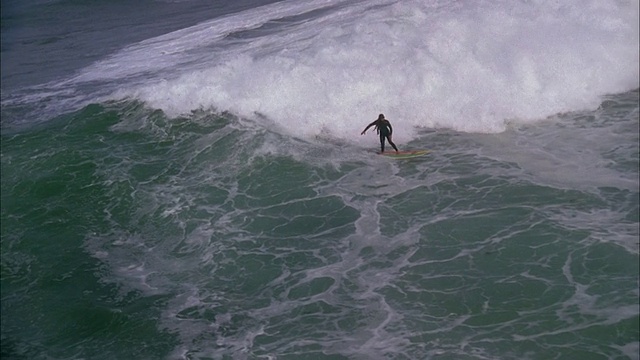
point(406, 154)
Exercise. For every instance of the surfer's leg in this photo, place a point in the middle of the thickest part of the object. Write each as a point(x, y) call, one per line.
point(392, 144)
point(381, 143)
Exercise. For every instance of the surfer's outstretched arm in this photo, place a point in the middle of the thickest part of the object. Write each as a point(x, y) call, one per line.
point(367, 128)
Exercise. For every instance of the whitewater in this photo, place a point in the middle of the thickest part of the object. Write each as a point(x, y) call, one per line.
point(322, 65)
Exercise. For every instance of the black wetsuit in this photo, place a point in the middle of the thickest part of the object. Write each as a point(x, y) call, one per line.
point(384, 129)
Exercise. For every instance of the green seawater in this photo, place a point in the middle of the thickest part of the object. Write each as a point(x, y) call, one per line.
point(127, 234)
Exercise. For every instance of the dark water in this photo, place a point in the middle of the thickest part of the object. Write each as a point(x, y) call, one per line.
point(171, 220)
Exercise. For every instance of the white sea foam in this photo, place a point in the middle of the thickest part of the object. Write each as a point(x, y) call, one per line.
point(465, 65)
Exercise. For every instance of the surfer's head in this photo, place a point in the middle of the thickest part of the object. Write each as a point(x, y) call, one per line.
point(381, 116)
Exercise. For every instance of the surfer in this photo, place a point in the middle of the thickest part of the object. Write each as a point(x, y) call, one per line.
point(384, 129)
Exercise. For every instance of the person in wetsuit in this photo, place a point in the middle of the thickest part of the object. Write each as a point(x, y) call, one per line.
point(384, 129)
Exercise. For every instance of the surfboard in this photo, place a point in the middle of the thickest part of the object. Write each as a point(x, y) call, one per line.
point(406, 154)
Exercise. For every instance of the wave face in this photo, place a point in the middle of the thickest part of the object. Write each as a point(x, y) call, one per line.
point(126, 233)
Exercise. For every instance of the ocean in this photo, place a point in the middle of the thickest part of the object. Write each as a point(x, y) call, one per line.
point(186, 179)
